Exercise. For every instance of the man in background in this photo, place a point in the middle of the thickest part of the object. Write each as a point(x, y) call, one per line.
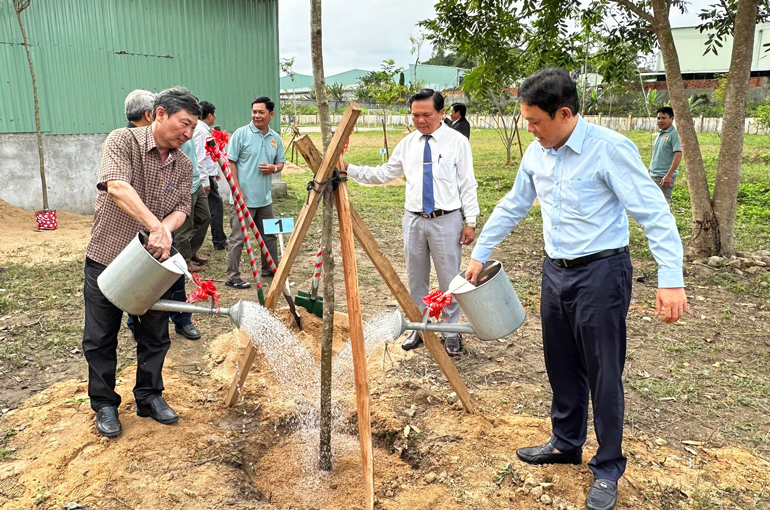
point(666, 154)
point(256, 153)
point(210, 168)
point(459, 122)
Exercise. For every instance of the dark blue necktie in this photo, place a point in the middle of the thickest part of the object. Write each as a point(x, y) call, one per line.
point(428, 205)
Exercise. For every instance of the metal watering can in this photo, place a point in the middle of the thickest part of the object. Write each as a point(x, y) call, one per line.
point(135, 281)
point(491, 307)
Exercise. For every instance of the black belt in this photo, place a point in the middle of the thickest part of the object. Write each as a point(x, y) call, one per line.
point(582, 261)
point(435, 214)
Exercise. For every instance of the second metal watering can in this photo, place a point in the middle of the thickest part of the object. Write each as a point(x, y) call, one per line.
point(491, 307)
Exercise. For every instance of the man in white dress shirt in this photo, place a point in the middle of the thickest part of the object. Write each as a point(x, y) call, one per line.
point(438, 166)
point(210, 169)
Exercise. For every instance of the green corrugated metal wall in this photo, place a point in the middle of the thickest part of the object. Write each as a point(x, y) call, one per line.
point(89, 54)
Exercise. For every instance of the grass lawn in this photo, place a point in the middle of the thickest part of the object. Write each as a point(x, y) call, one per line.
point(752, 228)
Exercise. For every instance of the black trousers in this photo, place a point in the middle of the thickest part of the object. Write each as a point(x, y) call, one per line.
point(100, 343)
point(216, 207)
point(583, 311)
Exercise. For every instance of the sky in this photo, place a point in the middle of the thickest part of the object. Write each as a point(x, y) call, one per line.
point(361, 34)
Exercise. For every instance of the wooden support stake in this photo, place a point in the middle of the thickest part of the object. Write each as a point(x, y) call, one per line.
point(325, 170)
point(308, 151)
point(385, 138)
point(348, 249)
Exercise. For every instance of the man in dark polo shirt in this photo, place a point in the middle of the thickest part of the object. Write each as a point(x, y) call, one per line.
point(144, 184)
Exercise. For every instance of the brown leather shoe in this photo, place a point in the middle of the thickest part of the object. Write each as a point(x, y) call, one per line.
point(200, 259)
point(194, 269)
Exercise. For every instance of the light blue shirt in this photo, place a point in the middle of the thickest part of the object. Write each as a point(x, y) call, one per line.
point(249, 148)
point(585, 188)
point(189, 148)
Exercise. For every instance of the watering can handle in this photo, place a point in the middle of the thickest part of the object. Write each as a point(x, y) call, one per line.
point(485, 272)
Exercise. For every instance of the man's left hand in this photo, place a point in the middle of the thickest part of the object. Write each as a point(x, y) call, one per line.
point(666, 182)
point(469, 234)
point(207, 190)
point(267, 168)
point(673, 302)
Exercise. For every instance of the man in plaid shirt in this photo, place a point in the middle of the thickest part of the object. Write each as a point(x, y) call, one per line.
point(144, 184)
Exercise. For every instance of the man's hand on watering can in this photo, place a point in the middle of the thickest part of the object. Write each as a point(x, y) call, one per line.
point(159, 243)
point(473, 271)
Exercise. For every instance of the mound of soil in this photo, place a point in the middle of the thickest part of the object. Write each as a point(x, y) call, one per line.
point(22, 243)
point(428, 452)
point(290, 168)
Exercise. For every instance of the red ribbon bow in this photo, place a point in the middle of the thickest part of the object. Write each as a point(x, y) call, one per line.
point(213, 151)
point(204, 290)
point(222, 137)
point(436, 301)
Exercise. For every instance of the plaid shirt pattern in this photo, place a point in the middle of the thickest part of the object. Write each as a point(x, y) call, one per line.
point(131, 155)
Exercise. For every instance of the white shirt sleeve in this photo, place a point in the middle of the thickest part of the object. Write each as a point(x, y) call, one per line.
point(379, 174)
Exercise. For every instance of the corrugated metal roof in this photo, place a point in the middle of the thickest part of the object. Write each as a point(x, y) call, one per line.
point(691, 43)
point(301, 81)
point(436, 77)
point(89, 54)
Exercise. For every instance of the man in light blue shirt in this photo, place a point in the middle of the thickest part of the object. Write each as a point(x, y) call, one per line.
point(586, 178)
point(256, 153)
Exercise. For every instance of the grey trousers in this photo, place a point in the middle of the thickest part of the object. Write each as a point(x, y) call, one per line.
point(190, 236)
point(439, 239)
point(235, 241)
point(666, 191)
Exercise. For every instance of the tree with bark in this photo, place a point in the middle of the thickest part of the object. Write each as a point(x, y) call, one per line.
point(319, 82)
point(19, 6)
point(643, 23)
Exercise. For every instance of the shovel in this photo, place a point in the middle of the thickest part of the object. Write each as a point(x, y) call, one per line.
point(310, 301)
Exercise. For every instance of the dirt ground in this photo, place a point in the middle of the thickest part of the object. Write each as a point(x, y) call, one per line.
point(696, 415)
point(24, 244)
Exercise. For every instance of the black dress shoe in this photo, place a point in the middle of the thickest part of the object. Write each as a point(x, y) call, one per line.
point(413, 341)
point(267, 274)
point(543, 454)
point(188, 331)
point(107, 422)
point(603, 495)
point(453, 345)
point(158, 410)
point(220, 247)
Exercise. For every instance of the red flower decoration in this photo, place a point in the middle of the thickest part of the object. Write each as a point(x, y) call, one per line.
point(204, 290)
point(436, 301)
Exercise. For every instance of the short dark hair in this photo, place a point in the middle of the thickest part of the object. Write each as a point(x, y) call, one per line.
point(266, 101)
point(422, 94)
point(667, 110)
point(207, 109)
point(550, 89)
point(176, 99)
point(459, 108)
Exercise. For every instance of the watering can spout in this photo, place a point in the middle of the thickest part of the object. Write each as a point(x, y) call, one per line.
point(235, 312)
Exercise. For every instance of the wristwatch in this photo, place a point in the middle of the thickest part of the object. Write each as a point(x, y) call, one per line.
point(472, 225)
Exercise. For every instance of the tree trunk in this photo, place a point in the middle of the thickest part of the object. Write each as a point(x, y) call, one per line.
point(731, 149)
point(704, 227)
point(325, 460)
point(319, 82)
point(37, 111)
